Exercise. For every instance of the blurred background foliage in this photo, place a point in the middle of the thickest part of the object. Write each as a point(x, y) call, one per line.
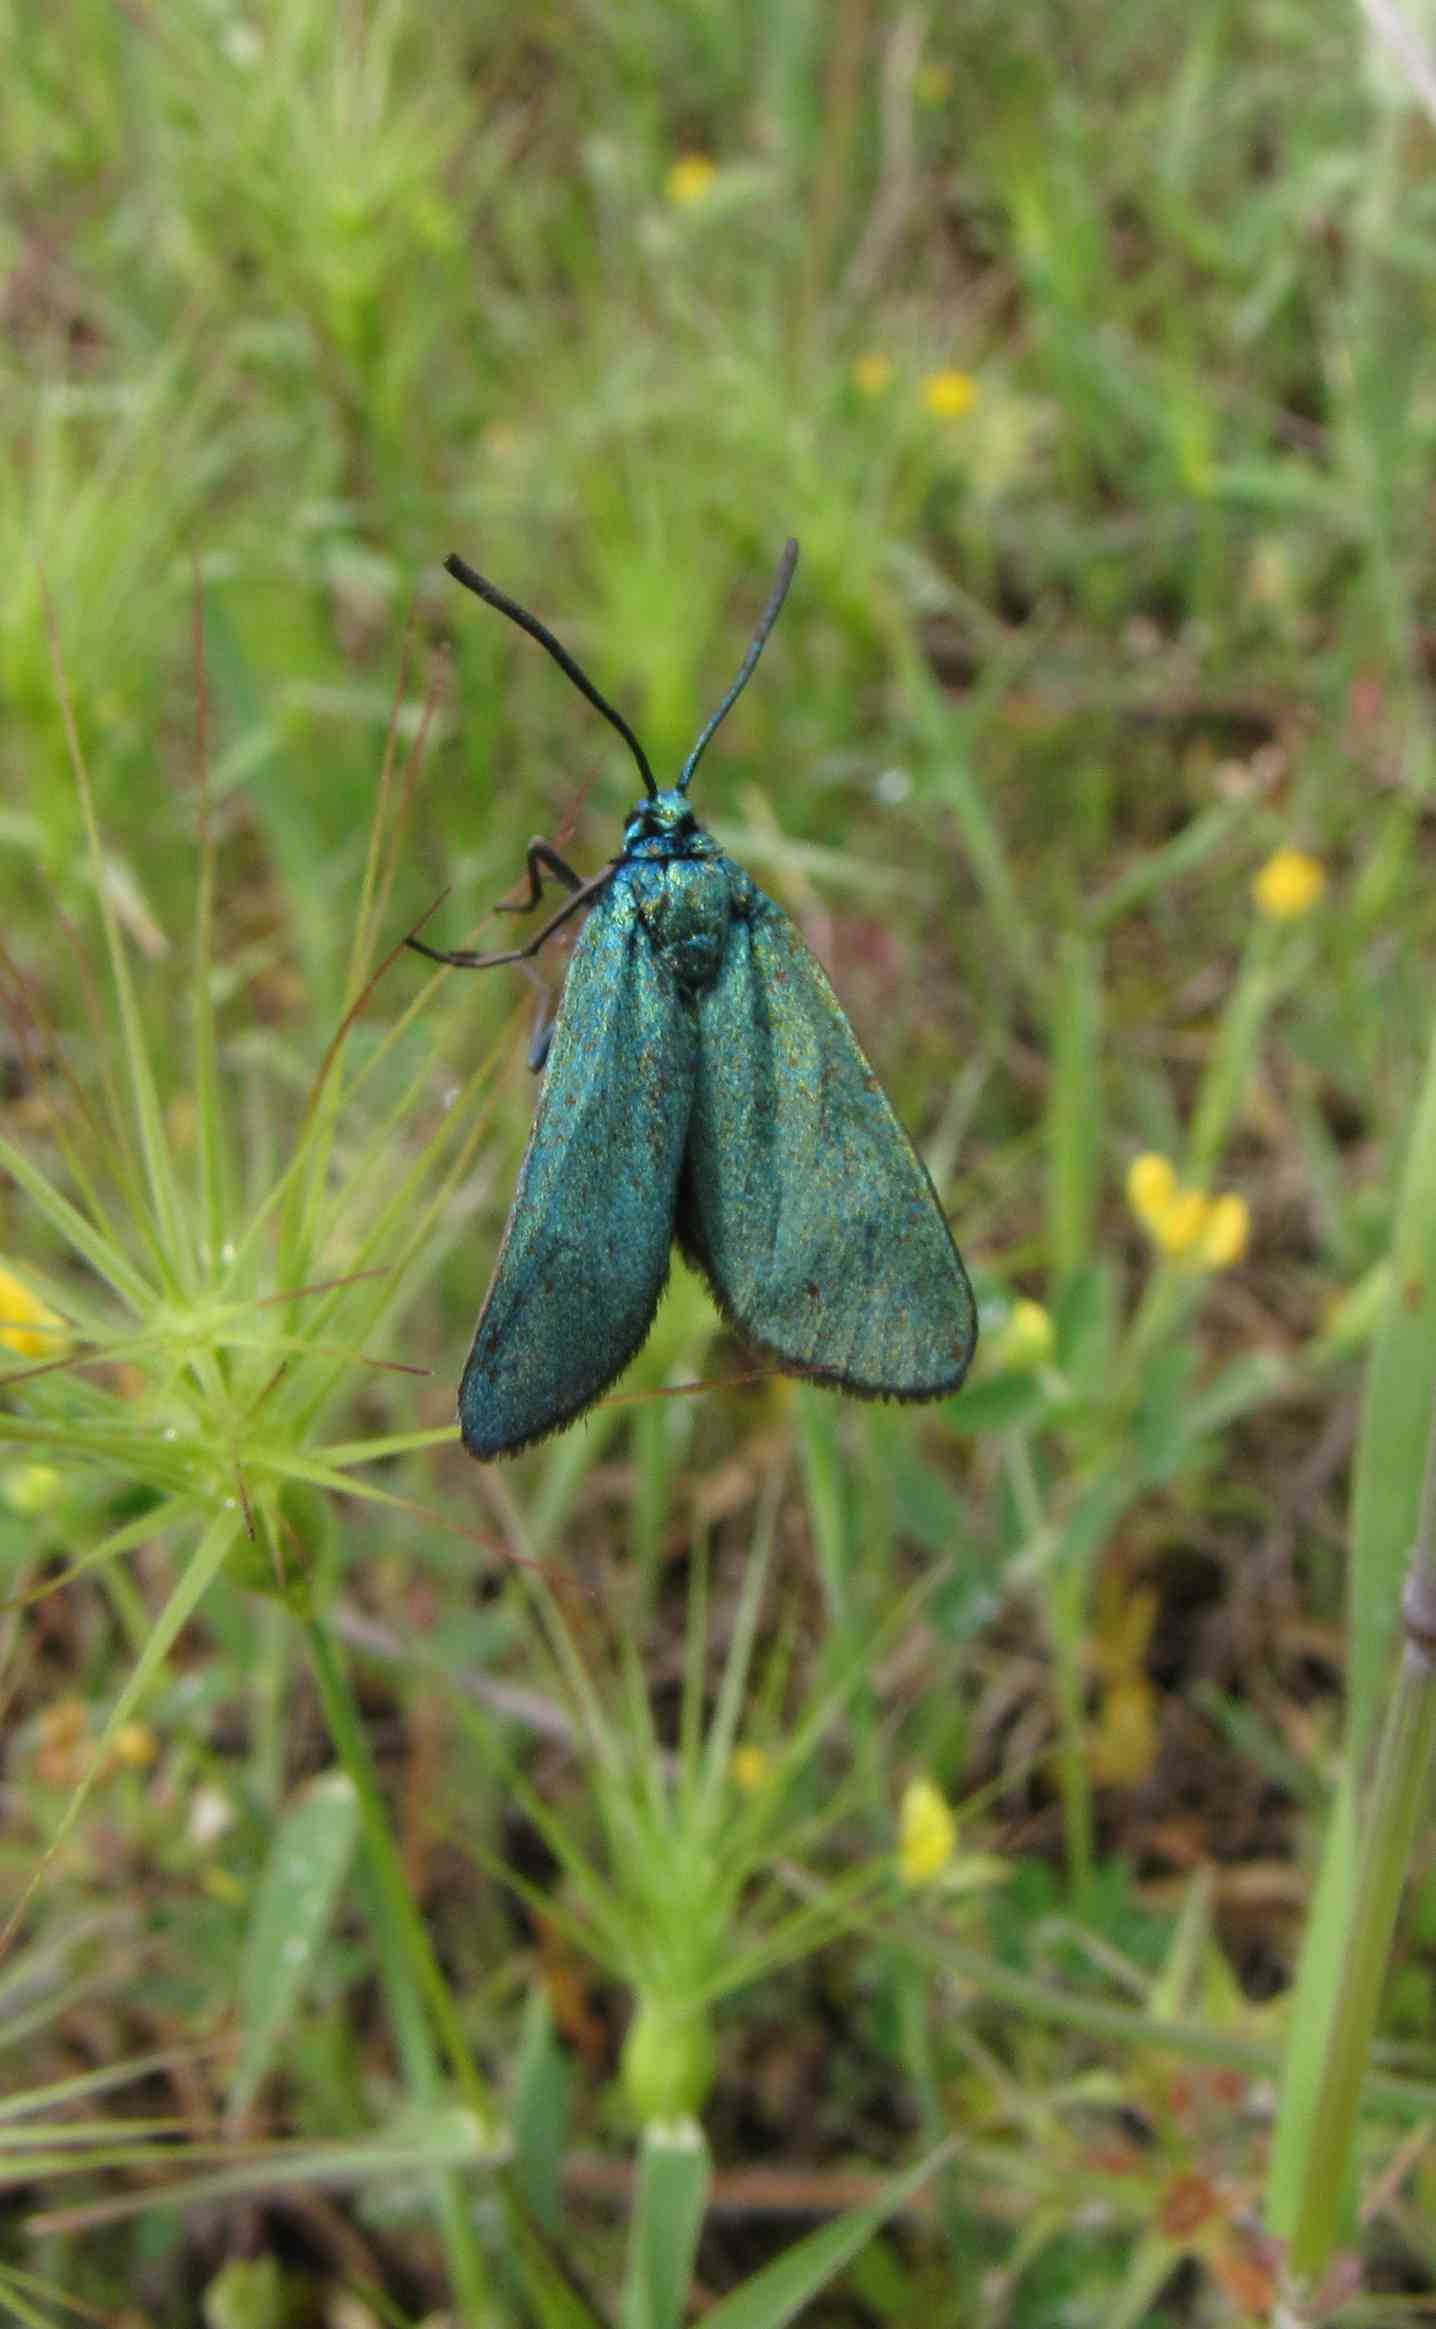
point(1086, 351)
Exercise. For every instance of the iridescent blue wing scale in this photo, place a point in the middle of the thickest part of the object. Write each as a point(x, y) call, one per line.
point(802, 1199)
point(585, 1253)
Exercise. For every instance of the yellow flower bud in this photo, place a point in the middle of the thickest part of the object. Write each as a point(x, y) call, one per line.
point(948, 395)
point(1289, 885)
point(1227, 1231)
point(1151, 1186)
point(1185, 1223)
point(1028, 1338)
point(927, 1832)
point(749, 1768)
point(134, 1744)
point(27, 1324)
point(690, 180)
point(1181, 1226)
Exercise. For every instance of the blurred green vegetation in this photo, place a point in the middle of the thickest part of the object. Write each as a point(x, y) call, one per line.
point(359, 1801)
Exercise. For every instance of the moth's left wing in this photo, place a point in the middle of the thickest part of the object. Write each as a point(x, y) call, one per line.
point(585, 1253)
point(802, 1199)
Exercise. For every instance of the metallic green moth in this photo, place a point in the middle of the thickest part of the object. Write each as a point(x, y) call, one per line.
point(701, 1083)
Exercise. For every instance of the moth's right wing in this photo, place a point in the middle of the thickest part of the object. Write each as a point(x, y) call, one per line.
point(585, 1253)
point(802, 1199)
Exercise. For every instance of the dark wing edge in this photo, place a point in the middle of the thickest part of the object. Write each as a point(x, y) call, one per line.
point(560, 1417)
point(798, 1170)
point(807, 1370)
point(586, 1250)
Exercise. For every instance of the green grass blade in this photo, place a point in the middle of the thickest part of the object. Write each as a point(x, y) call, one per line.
point(102, 1254)
point(1318, 1980)
point(1075, 1115)
point(1159, 868)
point(170, 1225)
point(1395, 1422)
point(781, 2290)
point(961, 794)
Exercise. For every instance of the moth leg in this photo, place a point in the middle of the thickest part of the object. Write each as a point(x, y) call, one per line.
point(545, 1018)
point(584, 895)
point(540, 854)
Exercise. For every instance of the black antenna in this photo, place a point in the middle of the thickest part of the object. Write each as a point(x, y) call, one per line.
point(495, 597)
point(770, 615)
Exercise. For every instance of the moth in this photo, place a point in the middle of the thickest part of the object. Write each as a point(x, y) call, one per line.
point(700, 1082)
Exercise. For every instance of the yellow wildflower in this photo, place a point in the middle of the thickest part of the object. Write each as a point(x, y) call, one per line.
point(1182, 1225)
point(1228, 1227)
point(1289, 885)
point(1173, 1216)
point(872, 375)
point(948, 395)
point(1151, 1186)
point(927, 1832)
point(27, 1324)
point(1027, 1340)
point(932, 83)
point(750, 1768)
point(690, 179)
point(134, 1744)
point(1211, 1232)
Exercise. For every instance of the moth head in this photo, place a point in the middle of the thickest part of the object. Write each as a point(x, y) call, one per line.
point(666, 814)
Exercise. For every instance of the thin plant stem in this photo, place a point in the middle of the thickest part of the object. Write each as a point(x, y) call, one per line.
point(1234, 1053)
point(413, 1980)
point(1066, 1606)
point(1400, 1797)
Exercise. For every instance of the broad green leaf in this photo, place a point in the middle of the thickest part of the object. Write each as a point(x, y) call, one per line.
point(998, 1405)
point(1161, 1430)
point(673, 2178)
point(1084, 1316)
point(539, 2112)
point(307, 1864)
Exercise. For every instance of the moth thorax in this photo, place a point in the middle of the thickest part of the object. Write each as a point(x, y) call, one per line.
point(686, 913)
